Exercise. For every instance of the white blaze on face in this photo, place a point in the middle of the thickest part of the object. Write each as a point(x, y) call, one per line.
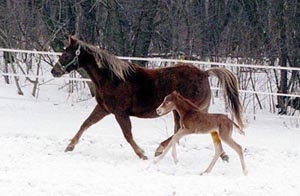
point(160, 110)
point(164, 108)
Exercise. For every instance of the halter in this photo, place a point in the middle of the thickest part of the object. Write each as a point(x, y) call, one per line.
point(74, 61)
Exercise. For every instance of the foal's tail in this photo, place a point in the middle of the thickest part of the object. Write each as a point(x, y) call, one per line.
point(240, 130)
point(230, 87)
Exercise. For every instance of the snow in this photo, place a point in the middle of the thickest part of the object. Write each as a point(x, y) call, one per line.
point(34, 133)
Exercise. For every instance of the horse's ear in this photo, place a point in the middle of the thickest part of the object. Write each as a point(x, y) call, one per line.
point(72, 40)
point(175, 92)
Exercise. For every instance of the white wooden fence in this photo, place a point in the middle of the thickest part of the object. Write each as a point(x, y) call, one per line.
point(269, 93)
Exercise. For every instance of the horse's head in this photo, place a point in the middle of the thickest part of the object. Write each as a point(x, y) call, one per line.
point(168, 104)
point(68, 61)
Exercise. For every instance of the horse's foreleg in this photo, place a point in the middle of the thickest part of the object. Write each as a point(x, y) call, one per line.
point(165, 143)
point(97, 114)
point(218, 145)
point(125, 124)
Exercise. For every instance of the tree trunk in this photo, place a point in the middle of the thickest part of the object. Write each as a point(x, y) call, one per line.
point(113, 32)
point(282, 100)
point(5, 70)
point(36, 82)
point(20, 92)
point(145, 29)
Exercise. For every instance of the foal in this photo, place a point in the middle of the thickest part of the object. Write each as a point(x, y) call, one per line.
point(193, 120)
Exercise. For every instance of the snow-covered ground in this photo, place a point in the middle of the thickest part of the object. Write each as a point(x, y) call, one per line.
point(34, 134)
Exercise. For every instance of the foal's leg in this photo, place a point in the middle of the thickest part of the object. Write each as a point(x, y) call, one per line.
point(226, 136)
point(174, 140)
point(166, 149)
point(160, 149)
point(218, 145)
point(228, 140)
point(176, 121)
point(163, 144)
point(218, 152)
point(214, 135)
point(125, 124)
point(97, 114)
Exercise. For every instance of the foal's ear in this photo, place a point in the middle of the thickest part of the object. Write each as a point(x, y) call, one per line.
point(72, 40)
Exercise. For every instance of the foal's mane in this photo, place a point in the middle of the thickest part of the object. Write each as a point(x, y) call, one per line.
point(188, 102)
point(104, 59)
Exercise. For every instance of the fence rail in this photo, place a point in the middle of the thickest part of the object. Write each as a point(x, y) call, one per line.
point(164, 60)
point(88, 80)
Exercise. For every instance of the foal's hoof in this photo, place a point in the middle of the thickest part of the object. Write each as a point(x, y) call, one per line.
point(224, 157)
point(245, 172)
point(143, 157)
point(205, 173)
point(69, 148)
point(159, 151)
point(176, 161)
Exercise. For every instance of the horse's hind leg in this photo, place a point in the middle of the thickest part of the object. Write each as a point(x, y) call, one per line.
point(165, 143)
point(97, 114)
point(125, 124)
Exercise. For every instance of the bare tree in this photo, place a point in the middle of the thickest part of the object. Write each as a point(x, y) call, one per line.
point(208, 29)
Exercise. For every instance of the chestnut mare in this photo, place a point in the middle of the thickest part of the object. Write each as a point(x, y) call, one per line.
point(125, 89)
point(194, 120)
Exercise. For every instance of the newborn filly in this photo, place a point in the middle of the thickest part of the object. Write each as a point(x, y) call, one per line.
point(193, 120)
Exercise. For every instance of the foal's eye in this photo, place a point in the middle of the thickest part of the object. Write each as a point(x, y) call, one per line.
point(168, 103)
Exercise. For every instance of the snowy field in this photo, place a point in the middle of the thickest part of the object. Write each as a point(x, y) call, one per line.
point(34, 134)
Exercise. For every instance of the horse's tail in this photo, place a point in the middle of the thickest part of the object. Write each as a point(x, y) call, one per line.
point(230, 87)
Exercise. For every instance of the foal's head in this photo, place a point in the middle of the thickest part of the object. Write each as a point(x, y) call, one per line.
point(168, 104)
point(68, 61)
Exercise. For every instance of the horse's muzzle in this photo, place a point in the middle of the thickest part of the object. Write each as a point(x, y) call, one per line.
point(56, 71)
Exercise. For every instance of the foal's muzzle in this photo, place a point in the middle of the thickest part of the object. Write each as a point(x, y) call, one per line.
point(159, 111)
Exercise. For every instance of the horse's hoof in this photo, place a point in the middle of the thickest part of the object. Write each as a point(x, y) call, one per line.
point(143, 157)
point(69, 148)
point(224, 157)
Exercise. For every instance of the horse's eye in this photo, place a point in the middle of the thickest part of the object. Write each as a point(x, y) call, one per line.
point(168, 103)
